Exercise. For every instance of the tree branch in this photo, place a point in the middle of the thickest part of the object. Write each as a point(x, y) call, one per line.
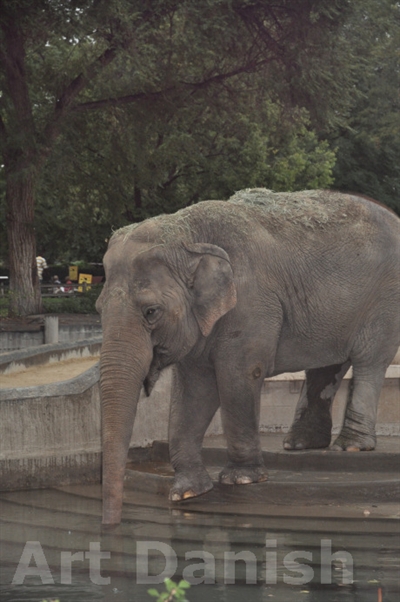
point(255, 25)
point(249, 67)
point(120, 100)
point(64, 102)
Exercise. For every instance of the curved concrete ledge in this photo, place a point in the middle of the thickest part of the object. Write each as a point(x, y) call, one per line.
point(50, 434)
point(73, 386)
point(306, 477)
point(15, 361)
point(281, 488)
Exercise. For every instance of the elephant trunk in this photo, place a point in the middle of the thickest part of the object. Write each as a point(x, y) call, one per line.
point(124, 365)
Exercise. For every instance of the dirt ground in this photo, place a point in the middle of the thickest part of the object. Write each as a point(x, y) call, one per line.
point(47, 373)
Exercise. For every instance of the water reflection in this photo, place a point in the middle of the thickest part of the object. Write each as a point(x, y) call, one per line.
point(53, 546)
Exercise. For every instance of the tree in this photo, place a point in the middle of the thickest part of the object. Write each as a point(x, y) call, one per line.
point(368, 145)
point(61, 60)
point(144, 161)
point(28, 126)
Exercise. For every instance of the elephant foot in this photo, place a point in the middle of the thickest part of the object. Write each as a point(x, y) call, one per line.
point(185, 487)
point(302, 437)
point(353, 442)
point(243, 475)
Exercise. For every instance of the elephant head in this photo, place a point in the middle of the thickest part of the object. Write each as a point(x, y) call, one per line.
point(158, 302)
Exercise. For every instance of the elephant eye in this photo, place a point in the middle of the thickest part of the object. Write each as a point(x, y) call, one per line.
point(152, 313)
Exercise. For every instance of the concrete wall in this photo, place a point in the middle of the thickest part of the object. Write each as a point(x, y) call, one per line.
point(20, 340)
point(18, 360)
point(50, 434)
point(10, 341)
point(280, 395)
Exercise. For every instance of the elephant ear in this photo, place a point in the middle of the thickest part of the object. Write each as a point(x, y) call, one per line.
point(211, 282)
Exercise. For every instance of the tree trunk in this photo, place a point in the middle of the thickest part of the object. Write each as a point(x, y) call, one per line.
point(25, 297)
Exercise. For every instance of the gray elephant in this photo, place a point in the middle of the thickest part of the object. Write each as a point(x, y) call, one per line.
point(233, 292)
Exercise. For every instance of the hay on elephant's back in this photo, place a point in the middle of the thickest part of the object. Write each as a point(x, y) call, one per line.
point(310, 208)
point(169, 228)
point(187, 225)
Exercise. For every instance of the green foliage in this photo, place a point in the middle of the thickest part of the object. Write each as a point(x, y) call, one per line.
point(81, 303)
point(161, 162)
point(368, 147)
point(116, 110)
point(174, 591)
point(141, 108)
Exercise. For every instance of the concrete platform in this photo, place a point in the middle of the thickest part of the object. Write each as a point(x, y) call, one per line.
point(312, 477)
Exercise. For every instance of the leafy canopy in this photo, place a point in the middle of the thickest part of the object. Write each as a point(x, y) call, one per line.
point(137, 108)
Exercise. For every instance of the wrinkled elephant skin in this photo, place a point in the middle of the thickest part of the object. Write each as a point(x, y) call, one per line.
point(231, 292)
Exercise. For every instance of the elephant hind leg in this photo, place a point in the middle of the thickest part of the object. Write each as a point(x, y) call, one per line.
point(312, 423)
point(369, 369)
point(358, 430)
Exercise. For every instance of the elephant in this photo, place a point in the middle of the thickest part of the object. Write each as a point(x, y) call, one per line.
point(231, 292)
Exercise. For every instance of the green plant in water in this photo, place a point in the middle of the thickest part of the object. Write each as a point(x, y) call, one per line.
point(175, 591)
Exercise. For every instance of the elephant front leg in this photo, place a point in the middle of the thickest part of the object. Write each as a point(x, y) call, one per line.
point(312, 425)
point(194, 402)
point(240, 408)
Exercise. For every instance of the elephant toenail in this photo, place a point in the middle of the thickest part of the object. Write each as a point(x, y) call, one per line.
point(352, 448)
point(175, 497)
point(243, 480)
point(188, 494)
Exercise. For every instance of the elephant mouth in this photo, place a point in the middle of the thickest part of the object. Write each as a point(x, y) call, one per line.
point(160, 361)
